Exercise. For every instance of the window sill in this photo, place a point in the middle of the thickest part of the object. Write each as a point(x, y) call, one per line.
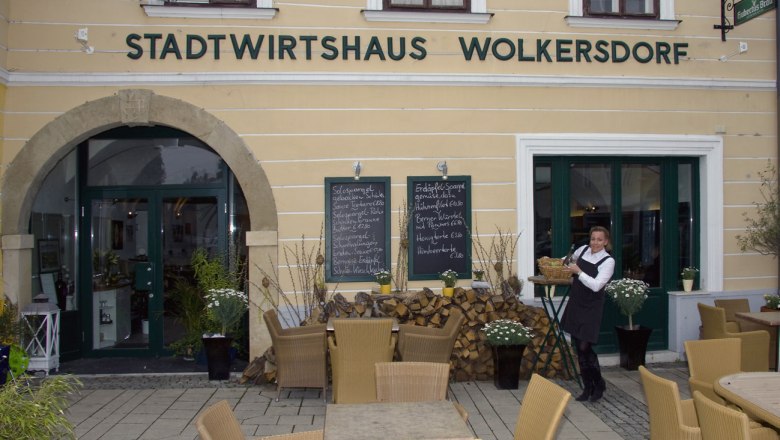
point(618, 23)
point(427, 17)
point(196, 12)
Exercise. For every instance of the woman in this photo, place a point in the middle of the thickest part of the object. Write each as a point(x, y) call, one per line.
point(592, 267)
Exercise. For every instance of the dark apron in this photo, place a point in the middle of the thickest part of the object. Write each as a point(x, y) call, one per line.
point(582, 317)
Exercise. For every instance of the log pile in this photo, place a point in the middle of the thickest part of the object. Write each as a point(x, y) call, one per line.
point(471, 357)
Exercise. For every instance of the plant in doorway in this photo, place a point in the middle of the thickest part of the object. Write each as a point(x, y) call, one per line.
point(226, 303)
point(630, 295)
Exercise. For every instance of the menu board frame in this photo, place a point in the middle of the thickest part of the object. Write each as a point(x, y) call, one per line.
point(330, 182)
point(411, 183)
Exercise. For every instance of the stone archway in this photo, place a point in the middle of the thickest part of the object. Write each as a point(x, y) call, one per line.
point(26, 173)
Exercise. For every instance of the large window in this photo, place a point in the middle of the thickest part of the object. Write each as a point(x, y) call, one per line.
point(428, 5)
point(621, 8)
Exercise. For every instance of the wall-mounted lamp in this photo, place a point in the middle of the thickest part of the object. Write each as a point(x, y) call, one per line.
point(442, 167)
point(82, 36)
point(356, 168)
point(743, 47)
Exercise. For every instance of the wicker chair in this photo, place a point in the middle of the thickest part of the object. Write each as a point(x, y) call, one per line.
point(734, 306)
point(426, 344)
point(301, 355)
point(542, 410)
point(670, 417)
point(414, 382)
point(755, 344)
point(358, 345)
point(218, 422)
point(719, 422)
point(710, 359)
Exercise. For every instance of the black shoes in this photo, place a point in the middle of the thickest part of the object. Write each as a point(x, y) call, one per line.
point(598, 389)
point(585, 393)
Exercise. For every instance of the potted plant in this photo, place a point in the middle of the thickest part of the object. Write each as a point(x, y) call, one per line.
point(772, 303)
point(383, 278)
point(629, 295)
point(688, 274)
point(225, 307)
point(450, 278)
point(226, 304)
point(508, 339)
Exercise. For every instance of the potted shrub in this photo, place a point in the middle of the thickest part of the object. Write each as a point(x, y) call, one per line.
point(450, 278)
point(688, 274)
point(383, 278)
point(508, 339)
point(226, 304)
point(629, 295)
point(772, 303)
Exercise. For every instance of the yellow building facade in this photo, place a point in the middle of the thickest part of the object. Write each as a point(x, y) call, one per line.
point(290, 93)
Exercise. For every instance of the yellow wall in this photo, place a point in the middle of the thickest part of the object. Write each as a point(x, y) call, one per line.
point(303, 130)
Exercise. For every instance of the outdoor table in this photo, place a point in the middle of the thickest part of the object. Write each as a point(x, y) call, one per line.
point(757, 393)
point(767, 318)
point(386, 421)
point(553, 314)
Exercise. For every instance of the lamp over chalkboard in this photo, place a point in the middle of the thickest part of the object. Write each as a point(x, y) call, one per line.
point(442, 166)
point(356, 168)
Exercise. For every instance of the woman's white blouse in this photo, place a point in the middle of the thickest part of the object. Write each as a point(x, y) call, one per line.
point(606, 269)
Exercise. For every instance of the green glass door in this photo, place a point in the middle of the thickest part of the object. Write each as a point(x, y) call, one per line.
point(119, 310)
point(140, 247)
point(648, 205)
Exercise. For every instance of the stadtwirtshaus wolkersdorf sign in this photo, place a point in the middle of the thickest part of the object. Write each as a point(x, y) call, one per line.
point(749, 9)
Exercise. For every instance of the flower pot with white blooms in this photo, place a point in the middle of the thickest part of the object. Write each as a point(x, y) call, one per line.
point(508, 339)
point(629, 295)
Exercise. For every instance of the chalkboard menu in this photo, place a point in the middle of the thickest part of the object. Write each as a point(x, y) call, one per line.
point(439, 225)
point(357, 228)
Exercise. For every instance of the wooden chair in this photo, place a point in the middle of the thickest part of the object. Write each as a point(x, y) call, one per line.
point(719, 422)
point(301, 355)
point(738, 305)
point(670, 417)
point(542, 410)
point(358, 345)
point(414, 382)
point(755, 344)
point(710, 359)
point(426, 344)
point(218, 422)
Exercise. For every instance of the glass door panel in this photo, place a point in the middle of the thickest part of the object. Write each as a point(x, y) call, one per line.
point(641, 211)
point(590, 186)
point(120, 313)
point(188, 223)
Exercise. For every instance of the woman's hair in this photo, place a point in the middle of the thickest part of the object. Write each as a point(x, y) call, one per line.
point(603, 230)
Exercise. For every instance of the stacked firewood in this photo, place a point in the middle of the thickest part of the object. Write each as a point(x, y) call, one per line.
point(471, 357)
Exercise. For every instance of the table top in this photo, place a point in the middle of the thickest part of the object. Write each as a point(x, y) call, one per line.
point(767, 318)
point(757, 393)
point(329, 325)
point(386, 421)
point(543, 280)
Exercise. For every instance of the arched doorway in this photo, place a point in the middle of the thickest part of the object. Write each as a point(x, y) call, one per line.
point(50, 145)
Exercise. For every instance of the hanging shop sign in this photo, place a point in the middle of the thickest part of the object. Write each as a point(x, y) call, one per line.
point(747, 10)
point(157, 46)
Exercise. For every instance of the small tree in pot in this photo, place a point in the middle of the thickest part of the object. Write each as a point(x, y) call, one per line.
point(629, 295)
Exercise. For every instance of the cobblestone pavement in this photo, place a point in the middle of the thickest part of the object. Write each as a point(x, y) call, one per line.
point(164, 406)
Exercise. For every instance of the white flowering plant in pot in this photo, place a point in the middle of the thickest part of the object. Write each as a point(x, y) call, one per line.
point(772, 301)
point(629, 295)
point(507, 332)
point(383, 277)
point(226, 307)
point(449, 277)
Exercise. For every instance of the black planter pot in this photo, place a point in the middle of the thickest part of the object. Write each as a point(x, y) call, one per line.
point(218, 357)
point(633, 345)
point(5, 353)
point(506, 366)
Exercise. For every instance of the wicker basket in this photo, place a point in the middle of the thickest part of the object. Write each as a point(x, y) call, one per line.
point(553, 272)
